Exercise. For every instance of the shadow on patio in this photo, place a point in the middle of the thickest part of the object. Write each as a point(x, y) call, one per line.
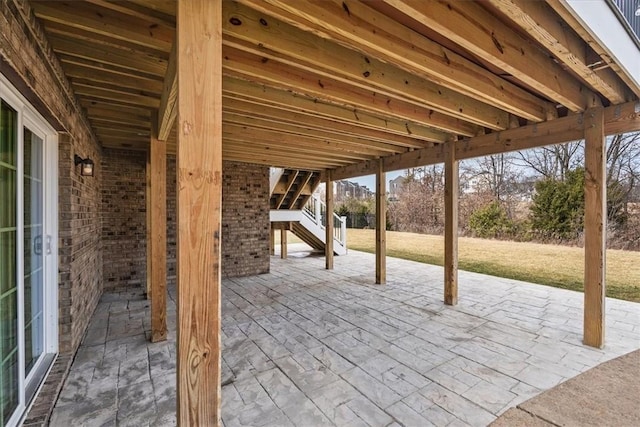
point(308, 347)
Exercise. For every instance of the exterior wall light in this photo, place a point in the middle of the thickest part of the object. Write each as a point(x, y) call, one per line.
point(86, 168)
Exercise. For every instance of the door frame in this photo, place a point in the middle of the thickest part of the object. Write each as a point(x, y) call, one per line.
point(30, 118)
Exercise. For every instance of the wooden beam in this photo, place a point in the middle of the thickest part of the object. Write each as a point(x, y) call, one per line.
point(328, 247)
point(451, 186)
point(123, 58)
point(168, 100)
point(290, 182)
point(148, 223)
point(107, 23)
point(272, 240)
point(595, 227)
point(539, 21)
point(289, 136)
point(283, 243)
point(474, 28)
point(560, 7)
point(85, 74)
point(263, 35)
point(199, 169)
point(119, 96)
point(381, 225)
point(158, 205)
point(360, 27)
point(119, 70)
point(278, 98)
point(272, 73)
point(617, 119)
point(300, 189)
point(269, 112)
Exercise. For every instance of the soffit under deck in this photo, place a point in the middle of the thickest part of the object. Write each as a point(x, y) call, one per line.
point(326, 84)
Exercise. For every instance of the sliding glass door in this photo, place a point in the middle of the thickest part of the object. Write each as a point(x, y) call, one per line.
point(34, 244)
point(28, 266)
point(9, 367)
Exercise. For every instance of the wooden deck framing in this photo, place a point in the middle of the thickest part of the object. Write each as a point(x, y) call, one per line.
point(339, 87)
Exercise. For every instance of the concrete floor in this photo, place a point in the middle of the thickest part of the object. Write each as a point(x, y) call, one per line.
point(303, 346)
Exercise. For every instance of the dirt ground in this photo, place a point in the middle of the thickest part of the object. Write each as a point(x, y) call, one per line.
point(606, 395)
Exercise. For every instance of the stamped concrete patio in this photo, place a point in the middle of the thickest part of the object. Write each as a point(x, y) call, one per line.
point(308, 347)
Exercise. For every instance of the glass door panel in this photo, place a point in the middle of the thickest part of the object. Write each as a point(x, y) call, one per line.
point(33, 247)
point(9, 366)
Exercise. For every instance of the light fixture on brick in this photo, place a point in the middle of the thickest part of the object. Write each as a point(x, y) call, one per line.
point(86, 168)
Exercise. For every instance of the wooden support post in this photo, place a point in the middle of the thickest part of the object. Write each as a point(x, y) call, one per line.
point(272, 240)
point(381, 225)
point(199, 188)
point(283, 243)
point(148, 207)
point(158, 205)
point(595, 226)
point(451, 178)
point(328, 247)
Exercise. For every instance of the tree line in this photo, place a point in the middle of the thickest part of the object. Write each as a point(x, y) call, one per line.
point(532, 195)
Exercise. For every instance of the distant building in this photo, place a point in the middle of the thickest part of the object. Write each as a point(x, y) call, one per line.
point(395, 187)
point(344, 189)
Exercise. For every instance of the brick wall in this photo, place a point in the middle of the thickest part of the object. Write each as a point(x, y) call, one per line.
point(123, 218)
point(29, 63)
point(245, 219)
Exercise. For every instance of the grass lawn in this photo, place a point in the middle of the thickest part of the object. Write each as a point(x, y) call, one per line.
point(552, 265)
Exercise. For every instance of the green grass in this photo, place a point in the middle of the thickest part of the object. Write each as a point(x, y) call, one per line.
point(551, 265)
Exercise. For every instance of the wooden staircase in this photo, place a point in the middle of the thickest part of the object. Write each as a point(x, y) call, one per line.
point(293, 189)
point(294, 208)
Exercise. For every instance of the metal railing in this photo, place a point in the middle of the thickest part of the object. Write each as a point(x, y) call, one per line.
point(316, 211)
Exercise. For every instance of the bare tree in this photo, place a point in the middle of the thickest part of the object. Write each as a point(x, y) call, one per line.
point(554, 161)
point(492, 174)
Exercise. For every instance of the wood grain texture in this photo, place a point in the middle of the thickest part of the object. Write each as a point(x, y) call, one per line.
point(617, 119)
point(169, 98)
point(595, 226)
point(451, 188)
point(199, 181)
point(148, 219)
point(158, 205)
point(328, 247)
point(263, 35)
point(541, 23)
point(360, 27)
point(272, 240)
point(476, 29)
point(381, 224)
point(283, 243)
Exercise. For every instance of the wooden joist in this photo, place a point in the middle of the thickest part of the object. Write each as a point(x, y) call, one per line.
point(272, 73)
point(364, 29)
point(102, 21)
point(266, 36)
point(479, 31)
point(291, 135)
point(543, 25)
point(291, 118)
point(277, 98)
